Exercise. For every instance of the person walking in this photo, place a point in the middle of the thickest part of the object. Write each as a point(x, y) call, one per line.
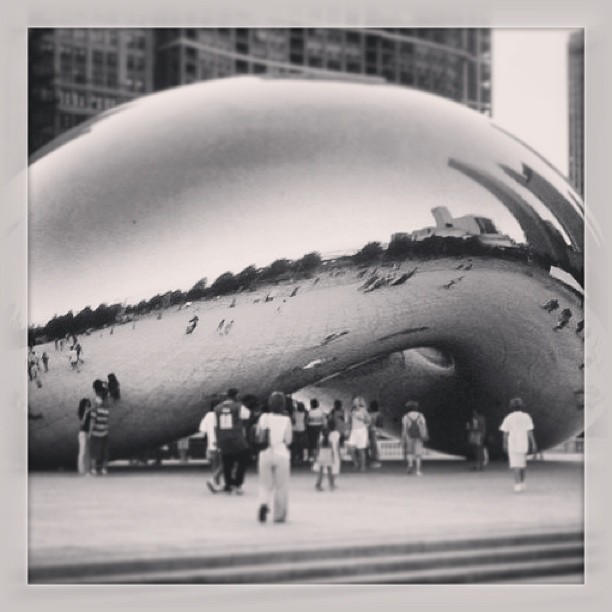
point(45, 360)
point(325, 460)
point(207, 427)
point(192, 324)
point(84, 414)
point(79, 352)
point(375, 424)
point(300, 439)
point(314, 423)
point(358, 439)
point(32, 364)
point(73, 357)
point(99, 430)
point(517, 428)
point(334, 438)
point(232, 441)
point(477, 431)
point(414, 435)
point(34, 368)
point(273, 462)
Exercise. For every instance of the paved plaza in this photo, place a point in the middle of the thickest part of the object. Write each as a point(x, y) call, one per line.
point(164, 513)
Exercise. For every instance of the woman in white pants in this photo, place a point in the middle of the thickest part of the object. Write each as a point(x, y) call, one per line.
point(274, 461)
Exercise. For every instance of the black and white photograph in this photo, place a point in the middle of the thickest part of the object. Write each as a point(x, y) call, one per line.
point(306, 306)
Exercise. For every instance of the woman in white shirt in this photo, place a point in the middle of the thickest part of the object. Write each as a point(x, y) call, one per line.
point(274, 461)
point(358, 440)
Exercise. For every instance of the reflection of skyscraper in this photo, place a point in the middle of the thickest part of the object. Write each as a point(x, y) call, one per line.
point(89, 70)
point(576, 110)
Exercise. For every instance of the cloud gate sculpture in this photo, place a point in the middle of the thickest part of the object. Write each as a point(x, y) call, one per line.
point(217, 176)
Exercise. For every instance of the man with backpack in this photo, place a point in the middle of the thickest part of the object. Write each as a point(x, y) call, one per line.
point(232, 441)
point(414, 434)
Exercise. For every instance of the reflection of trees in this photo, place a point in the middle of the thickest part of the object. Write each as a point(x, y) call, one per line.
point(370, 253)
point(400, 248)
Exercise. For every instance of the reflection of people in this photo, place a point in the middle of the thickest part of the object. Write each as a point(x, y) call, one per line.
point(517, 428)
point(84, 414)
point(34, 367)
point(550, 305)
point(564, 319)
point(73, 357)
point(273, 462)
point(477, 430)
point(79, 351)
point(193, 322)
point(414, 434)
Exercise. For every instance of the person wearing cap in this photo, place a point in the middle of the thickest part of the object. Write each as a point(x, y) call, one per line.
point(274, 461)
point(232, 441)
point(414, 434)
point(517, 428)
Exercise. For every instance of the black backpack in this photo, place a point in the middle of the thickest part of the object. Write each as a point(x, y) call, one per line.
point(414, 431)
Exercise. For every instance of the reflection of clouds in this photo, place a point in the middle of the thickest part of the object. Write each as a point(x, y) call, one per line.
point(279, 167)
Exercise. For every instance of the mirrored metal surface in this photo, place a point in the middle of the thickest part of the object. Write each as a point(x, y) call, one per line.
point(480, 235)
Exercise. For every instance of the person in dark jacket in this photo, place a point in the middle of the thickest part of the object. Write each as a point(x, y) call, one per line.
point(84, 414)
point(113, 387)
point(230, 418)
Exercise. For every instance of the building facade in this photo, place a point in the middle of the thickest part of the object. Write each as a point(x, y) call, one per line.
point(576, 110)
point(77, 73)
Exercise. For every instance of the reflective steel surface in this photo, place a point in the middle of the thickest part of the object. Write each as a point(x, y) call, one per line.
point(213, 177)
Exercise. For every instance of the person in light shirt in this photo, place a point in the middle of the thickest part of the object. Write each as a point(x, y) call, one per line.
point(517, 428)
point(358, 439)
point(274, 462)
point(207, 427)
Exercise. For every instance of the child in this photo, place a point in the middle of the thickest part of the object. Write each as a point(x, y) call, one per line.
point(325, 459)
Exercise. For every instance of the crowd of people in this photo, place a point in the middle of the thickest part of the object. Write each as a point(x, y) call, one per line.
point(283, 433)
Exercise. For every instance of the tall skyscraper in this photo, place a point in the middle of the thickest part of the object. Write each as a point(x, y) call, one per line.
point(576, 110)
point(76, 73)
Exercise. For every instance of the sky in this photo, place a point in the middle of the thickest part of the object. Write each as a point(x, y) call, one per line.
point(530, 89)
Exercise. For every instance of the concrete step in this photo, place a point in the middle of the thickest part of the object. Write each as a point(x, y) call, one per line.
point(351, 564)
point(293, 554)
point(546, 571)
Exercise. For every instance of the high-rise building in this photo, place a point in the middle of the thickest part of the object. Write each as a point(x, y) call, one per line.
point(576, 110)
point(76, 73)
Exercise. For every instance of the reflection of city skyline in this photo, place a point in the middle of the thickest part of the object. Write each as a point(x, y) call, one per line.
point(76, 73)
